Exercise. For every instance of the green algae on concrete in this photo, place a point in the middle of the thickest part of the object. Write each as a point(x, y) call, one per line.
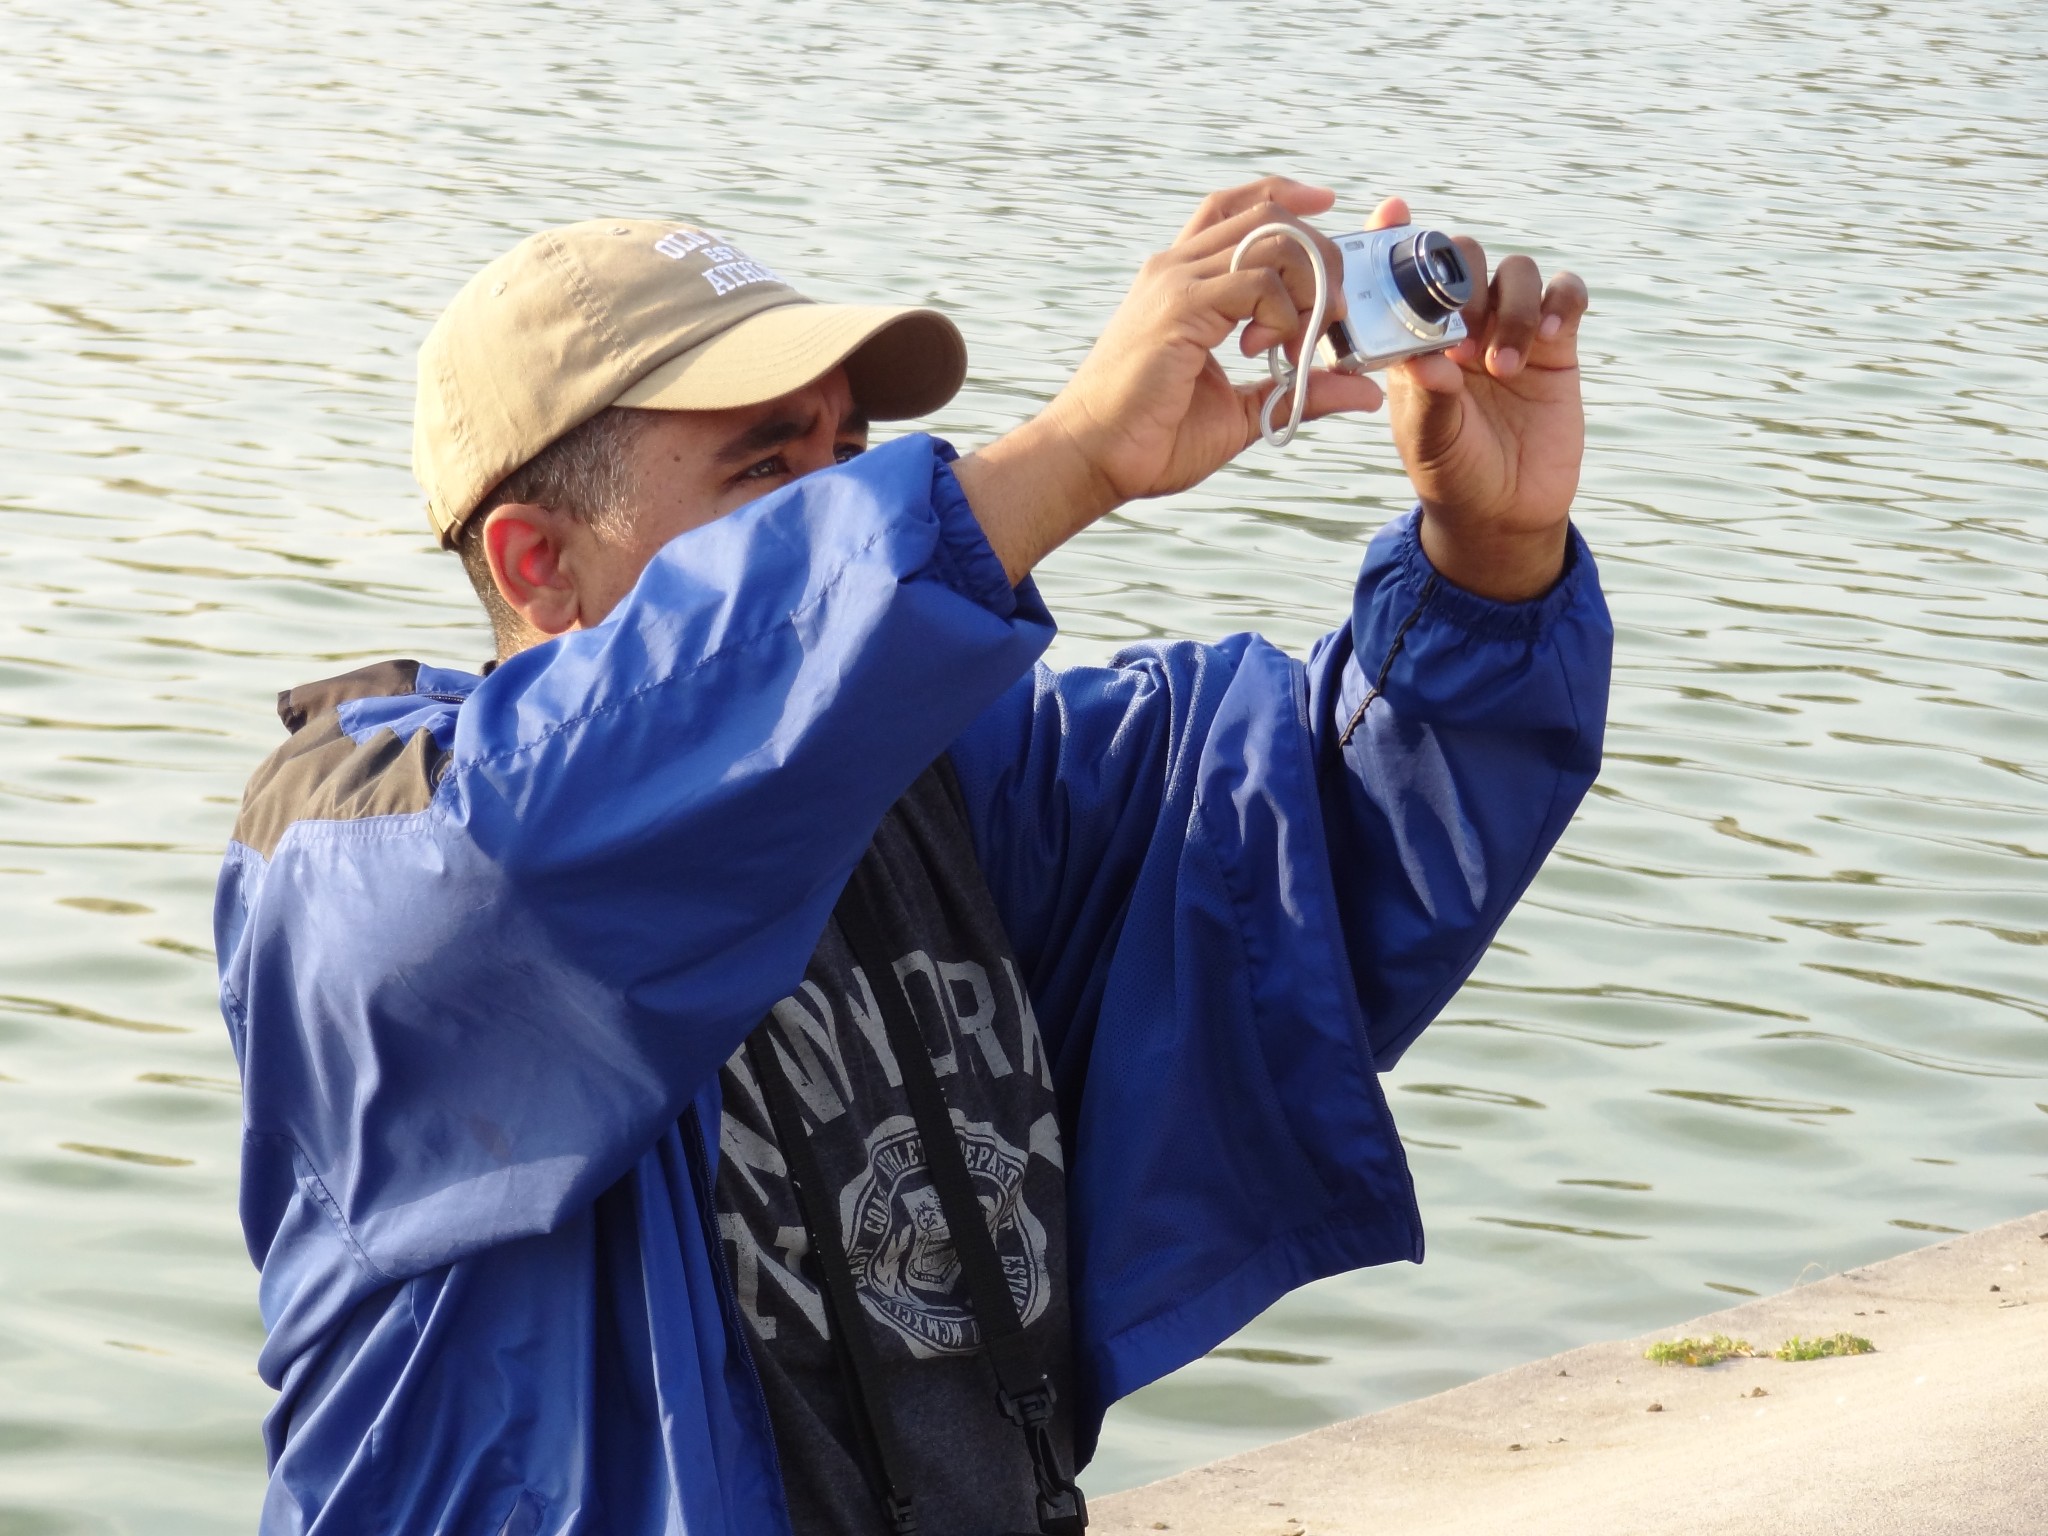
point(1796, 1348)
point(1698, 1351)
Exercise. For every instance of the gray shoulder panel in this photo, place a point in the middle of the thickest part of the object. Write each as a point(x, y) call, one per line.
point(322, 774)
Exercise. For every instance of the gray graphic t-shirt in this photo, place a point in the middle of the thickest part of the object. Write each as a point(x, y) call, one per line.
point(967, 1464)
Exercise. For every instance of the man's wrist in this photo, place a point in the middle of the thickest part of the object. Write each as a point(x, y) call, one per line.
point(1502, 565)
point(1032, 489)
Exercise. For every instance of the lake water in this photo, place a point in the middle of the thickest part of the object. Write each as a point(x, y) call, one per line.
point(1776, 1006)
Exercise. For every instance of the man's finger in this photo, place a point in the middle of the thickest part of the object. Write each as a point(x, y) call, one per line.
point(1256, 294)
point(1329, 393)
point(1211, 249)
point(1517, 311)
point(1391, 213)
point(1258, 337)
point(1287, 257)
point(1565, 303)
point(1297, 197)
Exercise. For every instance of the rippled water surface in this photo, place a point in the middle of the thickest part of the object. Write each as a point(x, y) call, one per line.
point(1777, 1002)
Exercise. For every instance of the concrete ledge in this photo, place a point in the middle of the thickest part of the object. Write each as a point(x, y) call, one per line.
point(1943, 1430)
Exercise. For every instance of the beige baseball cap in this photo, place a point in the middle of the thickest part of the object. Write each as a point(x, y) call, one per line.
point(649, 313)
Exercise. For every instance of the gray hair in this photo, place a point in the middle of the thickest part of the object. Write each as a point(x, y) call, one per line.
point(585, 473)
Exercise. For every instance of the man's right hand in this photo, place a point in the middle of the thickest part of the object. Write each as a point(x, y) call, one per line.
point(1150, 410)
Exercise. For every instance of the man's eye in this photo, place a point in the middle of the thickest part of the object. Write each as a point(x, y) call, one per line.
point(767, 469)
point(846, 452)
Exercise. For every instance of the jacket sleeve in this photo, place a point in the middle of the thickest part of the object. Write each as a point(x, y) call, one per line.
point(1240, 887)
point(1431, 752)
point(461, 1023)
point(1454, 740)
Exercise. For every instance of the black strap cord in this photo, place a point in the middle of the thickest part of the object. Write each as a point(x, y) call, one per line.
point(860, 1370)
point(1387, 667)
point(1023, 1392)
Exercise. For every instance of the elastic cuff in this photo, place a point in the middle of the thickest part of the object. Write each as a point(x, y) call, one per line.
point(964, 553)
point(1483, 616)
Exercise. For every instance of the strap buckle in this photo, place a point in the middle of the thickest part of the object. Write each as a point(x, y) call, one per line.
point(1062, 1512)
point(1061, 1509)
point(1029, 1409)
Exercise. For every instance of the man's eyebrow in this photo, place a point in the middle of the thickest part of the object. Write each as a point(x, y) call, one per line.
point(764, 435)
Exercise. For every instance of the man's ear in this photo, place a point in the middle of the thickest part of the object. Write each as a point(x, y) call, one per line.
point(526, 545)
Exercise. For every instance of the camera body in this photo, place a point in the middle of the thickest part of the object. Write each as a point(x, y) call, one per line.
point(1403, 288)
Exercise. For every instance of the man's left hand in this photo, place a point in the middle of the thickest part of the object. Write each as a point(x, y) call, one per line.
point(1492, 431)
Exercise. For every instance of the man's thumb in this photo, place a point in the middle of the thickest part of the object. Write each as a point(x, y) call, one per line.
point(1429, 405)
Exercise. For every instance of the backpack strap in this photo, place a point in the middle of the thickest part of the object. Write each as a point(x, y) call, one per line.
point(1023, 1391)
point(859, 1369)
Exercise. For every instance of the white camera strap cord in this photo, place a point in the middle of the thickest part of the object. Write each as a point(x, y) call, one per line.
point(1286, 373)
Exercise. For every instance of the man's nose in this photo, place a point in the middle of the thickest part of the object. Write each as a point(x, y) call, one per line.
point(818, 450)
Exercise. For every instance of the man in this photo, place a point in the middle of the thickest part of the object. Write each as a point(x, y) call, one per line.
point(767, 1055)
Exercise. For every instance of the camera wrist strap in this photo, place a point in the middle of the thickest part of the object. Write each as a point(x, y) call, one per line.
point(1290, 378)
point(1023, 1391)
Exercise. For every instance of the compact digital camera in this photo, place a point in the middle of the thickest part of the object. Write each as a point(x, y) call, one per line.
point(1403, 288)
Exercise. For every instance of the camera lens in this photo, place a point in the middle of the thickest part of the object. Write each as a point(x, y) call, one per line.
point(1430, 275)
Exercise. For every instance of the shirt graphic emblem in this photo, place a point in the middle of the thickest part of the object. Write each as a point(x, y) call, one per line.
point(901, 1250)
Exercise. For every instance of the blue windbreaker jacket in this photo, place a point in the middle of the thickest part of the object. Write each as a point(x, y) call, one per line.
point(485, 942)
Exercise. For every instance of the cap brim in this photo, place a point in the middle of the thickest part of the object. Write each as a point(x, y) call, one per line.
point(900, 362)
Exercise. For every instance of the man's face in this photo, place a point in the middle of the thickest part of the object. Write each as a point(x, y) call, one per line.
point(689, 467)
